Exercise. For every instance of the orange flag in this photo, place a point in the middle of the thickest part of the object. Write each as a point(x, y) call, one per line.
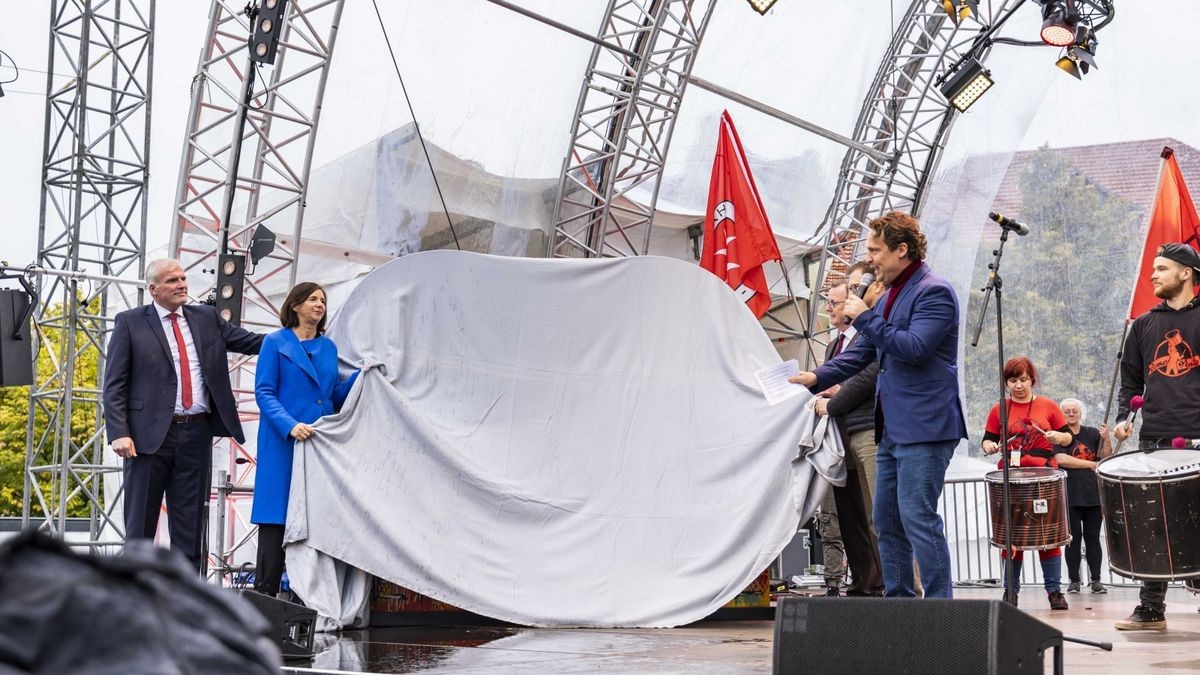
point(737, 234)
point(1174, 219)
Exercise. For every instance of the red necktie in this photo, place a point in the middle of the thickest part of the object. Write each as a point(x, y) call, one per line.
point(837, 348)
point(185, 370)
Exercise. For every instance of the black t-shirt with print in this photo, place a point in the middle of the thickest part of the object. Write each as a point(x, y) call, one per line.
point(1082, 487)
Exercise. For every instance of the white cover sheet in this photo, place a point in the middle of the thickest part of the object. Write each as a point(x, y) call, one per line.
point(551, 443)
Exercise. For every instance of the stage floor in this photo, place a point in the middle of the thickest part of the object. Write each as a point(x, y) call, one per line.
point(734, 646)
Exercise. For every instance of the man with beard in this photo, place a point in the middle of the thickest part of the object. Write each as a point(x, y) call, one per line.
point(1159, 364)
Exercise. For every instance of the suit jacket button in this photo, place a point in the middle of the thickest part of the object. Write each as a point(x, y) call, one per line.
point(318, 401)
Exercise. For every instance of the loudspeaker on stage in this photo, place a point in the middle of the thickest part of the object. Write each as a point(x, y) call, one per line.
point(907, 635)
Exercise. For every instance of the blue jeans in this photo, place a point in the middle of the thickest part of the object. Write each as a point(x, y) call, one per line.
point(1051, 573)
point(908, 483)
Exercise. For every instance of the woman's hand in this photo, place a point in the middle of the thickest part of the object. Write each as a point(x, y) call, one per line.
point(990, 447)
point(302, 432)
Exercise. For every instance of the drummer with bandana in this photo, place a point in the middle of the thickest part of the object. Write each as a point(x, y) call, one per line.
point(1161, 363)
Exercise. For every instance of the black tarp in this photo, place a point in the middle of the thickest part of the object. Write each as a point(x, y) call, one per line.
point(144, 611)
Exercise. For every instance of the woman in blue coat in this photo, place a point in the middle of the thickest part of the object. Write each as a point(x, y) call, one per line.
point(296, 382)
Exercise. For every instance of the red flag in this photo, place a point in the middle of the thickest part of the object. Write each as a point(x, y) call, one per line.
point(1174, 219)
point(737, 235)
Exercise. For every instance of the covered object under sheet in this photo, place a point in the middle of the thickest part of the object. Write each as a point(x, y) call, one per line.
point(551, 442)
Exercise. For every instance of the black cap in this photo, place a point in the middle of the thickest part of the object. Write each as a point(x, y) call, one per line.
point(1181, 253)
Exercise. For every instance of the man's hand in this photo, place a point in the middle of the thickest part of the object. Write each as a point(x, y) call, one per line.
point(302, 432)
point(1123, 430)
point(854, 307)
point(830, 392)
point(807, 378)
point(821, 406)
point(1103, 430)
point(123, 446)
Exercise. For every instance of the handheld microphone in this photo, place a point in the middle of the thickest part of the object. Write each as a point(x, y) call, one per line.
point(1009, 224)
point(1135, 404)
point(863, 284)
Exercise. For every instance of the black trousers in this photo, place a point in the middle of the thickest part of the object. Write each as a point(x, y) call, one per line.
point(1085, 530)
point(862, 551)
point(268, 568)
point(181, 470)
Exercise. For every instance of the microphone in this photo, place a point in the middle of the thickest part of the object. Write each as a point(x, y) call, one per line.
point(1009, 224)
point(863, 284)
point(1135, 404)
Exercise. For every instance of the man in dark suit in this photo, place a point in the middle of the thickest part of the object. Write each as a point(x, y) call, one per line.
point(855, 415)
point(912, 332)
point(166, 395)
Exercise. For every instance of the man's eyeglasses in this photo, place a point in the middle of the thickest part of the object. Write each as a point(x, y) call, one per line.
point(834, 305)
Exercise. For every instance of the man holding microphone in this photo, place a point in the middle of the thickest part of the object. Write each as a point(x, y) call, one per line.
point(913, 333)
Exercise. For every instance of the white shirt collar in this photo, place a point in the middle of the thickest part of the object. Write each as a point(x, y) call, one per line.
point(163, 311)
point(848, 334)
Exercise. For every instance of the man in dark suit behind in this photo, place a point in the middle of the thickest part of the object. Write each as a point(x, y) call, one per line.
point(166, 395)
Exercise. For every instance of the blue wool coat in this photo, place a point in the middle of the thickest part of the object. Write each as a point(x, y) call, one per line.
point(290, 388)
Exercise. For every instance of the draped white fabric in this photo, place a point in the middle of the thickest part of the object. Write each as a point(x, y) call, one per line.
point(552, 442)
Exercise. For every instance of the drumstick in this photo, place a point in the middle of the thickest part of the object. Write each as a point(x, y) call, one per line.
point(1135, 404)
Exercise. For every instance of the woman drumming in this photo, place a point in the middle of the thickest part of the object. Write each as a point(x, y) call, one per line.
point(296, 382)
point(1036, 426)
point(1088, 446)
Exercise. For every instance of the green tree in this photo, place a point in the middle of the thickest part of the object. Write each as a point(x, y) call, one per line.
point(14, 415)
point(1066, 291)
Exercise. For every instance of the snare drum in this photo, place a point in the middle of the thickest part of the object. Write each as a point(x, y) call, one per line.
point(1151, 505)
point(1038, 517)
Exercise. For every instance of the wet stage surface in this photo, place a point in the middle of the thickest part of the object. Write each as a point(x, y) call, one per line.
point(735, 646)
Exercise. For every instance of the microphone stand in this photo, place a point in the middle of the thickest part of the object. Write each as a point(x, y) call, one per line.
point(996, 284)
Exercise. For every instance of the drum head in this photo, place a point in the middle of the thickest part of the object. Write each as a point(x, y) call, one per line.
point(1151, 464)
point(1033, 474)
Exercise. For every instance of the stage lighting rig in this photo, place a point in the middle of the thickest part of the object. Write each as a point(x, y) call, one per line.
point(967, 84)
point(761, 6)
point(269, 19)
point(1059, 20)
point(961, 9)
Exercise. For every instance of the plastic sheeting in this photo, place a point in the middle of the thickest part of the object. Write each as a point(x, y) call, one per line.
point(552, 442)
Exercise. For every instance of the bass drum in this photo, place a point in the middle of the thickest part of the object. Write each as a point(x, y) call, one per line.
point(1151, 505)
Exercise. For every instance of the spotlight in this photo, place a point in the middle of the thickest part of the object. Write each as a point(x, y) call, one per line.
point(1078, 59)
point(1058, 23)
point(231, 275)
point(960, 9)
point(966, 85)
point(267, 27)
point(761, 6)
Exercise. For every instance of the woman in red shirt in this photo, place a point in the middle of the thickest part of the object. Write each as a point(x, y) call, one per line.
point(1035, 426)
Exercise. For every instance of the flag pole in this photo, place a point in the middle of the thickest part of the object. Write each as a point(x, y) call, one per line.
point(811, 357)
point(1112, 387)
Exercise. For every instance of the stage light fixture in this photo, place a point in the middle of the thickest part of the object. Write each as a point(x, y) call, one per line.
point(1077, 60)
point(1058, 23)
point(761, 6)
point(231, 276)
point(967, 84)
point(960, 9)
point(267, 28)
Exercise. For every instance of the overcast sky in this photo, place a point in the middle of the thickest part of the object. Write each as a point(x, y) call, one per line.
point(1145, 87)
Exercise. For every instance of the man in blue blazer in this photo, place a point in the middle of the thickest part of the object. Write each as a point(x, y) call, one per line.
point(166, 395)
point(913, 333)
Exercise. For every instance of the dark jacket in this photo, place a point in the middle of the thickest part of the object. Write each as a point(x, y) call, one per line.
point(1161, 362)
point(854, 404)
point(140, 381)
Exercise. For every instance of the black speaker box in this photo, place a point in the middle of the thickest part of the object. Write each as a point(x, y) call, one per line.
point(292, 625)
point(908, 635)
point(16, 353)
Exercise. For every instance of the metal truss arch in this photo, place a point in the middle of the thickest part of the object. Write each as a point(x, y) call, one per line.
point(905, 116)
point(628, 104)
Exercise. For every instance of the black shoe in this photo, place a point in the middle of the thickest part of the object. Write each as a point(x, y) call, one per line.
point(1098, 587)
point(832, 592)
point(1073, 587)
point(1143, 618)
point(1057, 601)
